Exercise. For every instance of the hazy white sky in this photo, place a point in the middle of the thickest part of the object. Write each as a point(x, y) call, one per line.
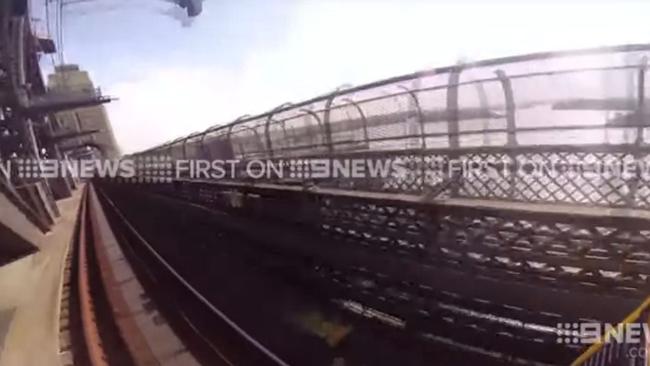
point(247, 56)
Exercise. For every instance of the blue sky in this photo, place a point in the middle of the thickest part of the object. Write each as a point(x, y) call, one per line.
point(247, 56)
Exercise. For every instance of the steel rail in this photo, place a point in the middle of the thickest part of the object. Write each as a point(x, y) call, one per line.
point(96, 352)
point(127, 328)
point(597, 347)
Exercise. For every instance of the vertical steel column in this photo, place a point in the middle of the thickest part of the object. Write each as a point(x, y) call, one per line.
point(452, 107)
point(640, 122)
point(510, 107)
point(420, 115)
point(453, 129)
point(423, 143)
point(185, 143)
point(326, 122)
point(204, 149)
point(229, 133)
point(267, 135)
point(364, 121)
point(511, 127)
point(641, 101)
point(267, 128)
point(484, 104)
point(320, 124)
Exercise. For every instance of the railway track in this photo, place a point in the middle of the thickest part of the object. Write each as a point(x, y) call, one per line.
point(396, 295)
point(108, 334)
point(289, 278)
point(230, 281)
point(230, 300)
point(268, 292)
point(241, 288)
point(92, 336)
point(226, 339)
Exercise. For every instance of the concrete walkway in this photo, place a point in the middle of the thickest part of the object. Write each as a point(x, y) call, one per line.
point(30, 296)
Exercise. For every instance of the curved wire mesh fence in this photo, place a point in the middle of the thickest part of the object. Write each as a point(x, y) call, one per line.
point(561, 110)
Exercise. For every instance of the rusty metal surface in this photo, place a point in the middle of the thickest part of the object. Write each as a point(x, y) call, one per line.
point(91, 333)
point(130, 332)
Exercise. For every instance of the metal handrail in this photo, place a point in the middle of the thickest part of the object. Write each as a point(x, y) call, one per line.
point(599, 346)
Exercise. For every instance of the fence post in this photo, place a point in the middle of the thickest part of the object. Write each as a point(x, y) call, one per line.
point(640, 122)
point(456, 180)
point(511, 126)
point(326, 123)
point(267, 128)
